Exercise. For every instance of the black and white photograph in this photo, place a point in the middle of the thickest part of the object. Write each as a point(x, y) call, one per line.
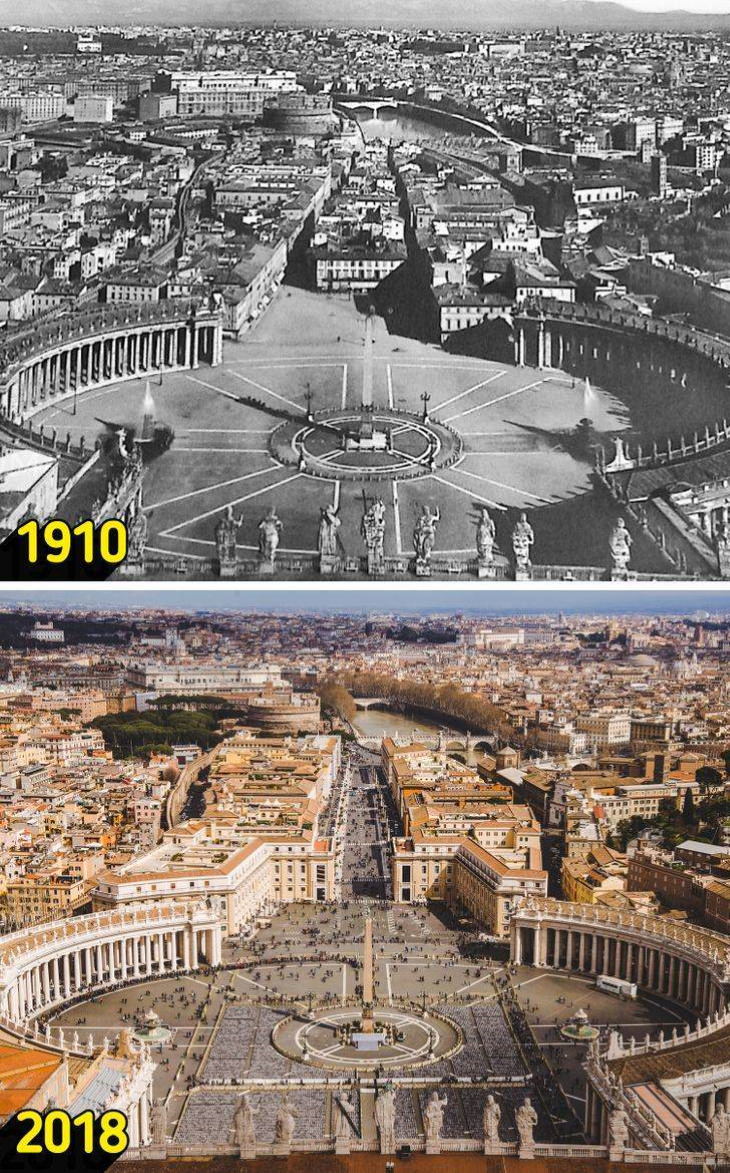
point(360, 291)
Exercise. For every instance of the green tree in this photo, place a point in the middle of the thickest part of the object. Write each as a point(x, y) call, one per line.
point(161, 747)
point(714, 809)
point(628, 829)
point(128, 734)
point(708, 779)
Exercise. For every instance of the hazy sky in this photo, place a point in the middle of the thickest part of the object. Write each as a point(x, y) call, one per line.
point(495, 602)
point(721, 6)
point(60, 13)
point(147, 9)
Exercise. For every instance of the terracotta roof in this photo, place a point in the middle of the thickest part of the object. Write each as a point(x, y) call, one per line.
point(23, 1070)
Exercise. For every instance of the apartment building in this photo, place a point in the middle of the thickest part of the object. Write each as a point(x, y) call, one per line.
point(192, 676)
point(256, 846)
point(466, 843)
point(605, 729)
point(45, 896)
point(586, 878)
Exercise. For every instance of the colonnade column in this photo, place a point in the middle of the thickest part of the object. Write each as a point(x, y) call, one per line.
point(120, 355)
point(214, 955)
point(186, 949)
point(519, 346)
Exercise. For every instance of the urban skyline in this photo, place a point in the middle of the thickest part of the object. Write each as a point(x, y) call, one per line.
point(418, 13)
point(497, 844)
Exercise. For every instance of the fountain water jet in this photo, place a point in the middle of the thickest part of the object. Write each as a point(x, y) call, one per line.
point(148, 414)
point(589, 396)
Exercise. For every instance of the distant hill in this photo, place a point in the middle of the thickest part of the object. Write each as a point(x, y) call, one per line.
point(465, 14)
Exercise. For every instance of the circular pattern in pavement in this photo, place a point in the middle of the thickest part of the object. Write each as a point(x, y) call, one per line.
point(400, 1038)
point(382, 444)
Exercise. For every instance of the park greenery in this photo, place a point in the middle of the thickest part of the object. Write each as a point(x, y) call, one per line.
point(156, 731)
point(426, 634)
point(698, 237)
point(224, 708)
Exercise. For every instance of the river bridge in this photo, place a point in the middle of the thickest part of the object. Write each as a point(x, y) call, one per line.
point(465, 122)
point(465, 743)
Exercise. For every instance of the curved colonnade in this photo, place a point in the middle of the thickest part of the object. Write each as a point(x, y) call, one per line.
point(681, 963)
point(591, 341)
point(107, 344)
point(667, 364)
point(541, 336)
point(42, 968)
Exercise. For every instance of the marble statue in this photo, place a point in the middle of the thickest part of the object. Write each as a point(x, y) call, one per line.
point(720, 1127)
point(158, 1122)
point(492, 1117)
point(523, 537)
point(385, 1119)
point(137, 531)
point(618, 1131)
point(433, 1116)
point(329, 523)
point(285, 1124)
point(526, 1121)
point(621, 458)
point(486, 533)
point(620, 546)
point(372, 529)
point(269, 536)
point(620, 455)
point(226, 533)
point(615, 1044)
point(424, 537)
point(243, 1124)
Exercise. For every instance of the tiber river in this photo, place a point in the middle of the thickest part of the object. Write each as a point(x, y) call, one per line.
point(378, 723)
point(398, 128)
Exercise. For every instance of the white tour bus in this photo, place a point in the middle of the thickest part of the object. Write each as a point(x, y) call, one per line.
point(614, 985)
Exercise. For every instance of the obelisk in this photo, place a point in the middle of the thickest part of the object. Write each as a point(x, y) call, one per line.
point(367, 977)
point(366, 419)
